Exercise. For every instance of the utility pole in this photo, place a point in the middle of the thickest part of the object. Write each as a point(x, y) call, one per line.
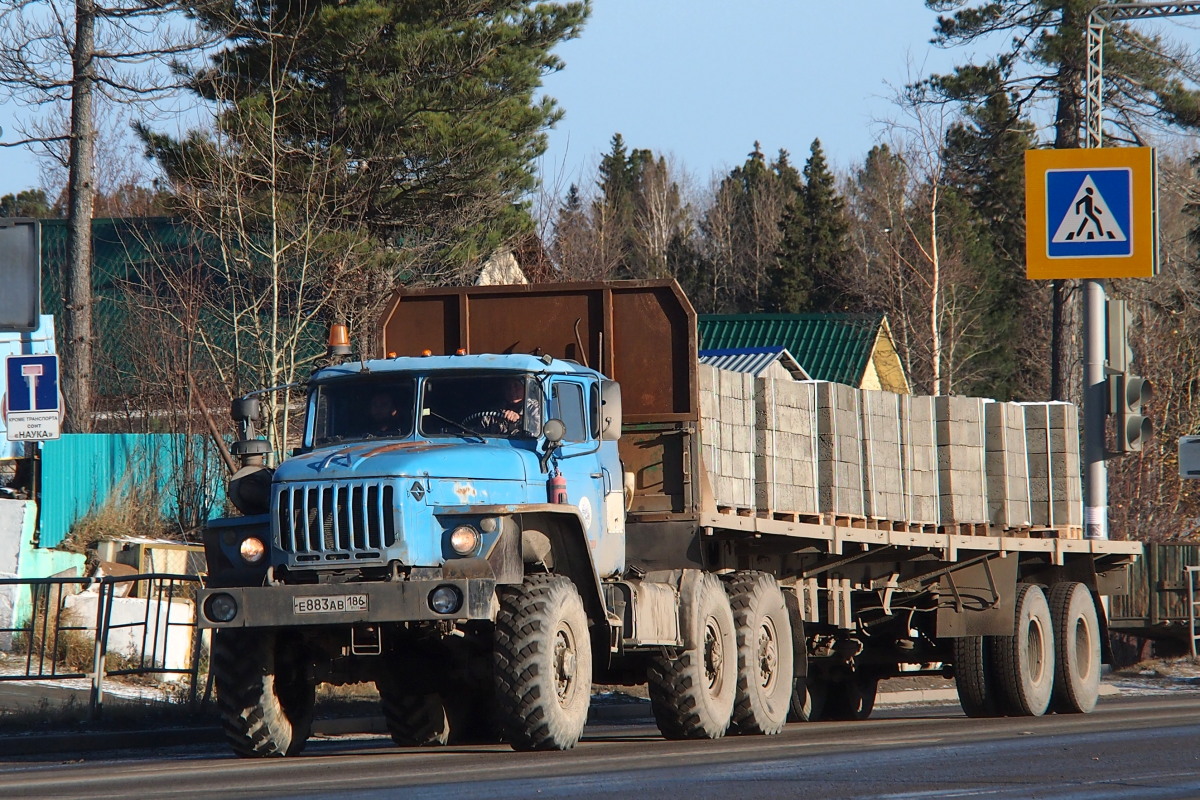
point(1095, 386)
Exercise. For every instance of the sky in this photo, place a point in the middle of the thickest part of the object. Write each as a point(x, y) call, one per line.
point(702, 80)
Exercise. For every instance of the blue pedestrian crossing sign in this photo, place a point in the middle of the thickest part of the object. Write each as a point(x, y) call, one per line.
point(32, 407)
point(1091, 213)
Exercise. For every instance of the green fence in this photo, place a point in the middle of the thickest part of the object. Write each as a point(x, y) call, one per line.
point(80, 473)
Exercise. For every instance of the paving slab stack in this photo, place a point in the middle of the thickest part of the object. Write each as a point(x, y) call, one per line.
point(839, 450)
point(1007, 466)
point(1055, 482)
point(727, 425)
point(962, 481)
point(785, 446)
point(920, 465)
point(883, 464)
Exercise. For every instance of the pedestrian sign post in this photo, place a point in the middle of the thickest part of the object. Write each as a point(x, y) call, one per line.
point(1091, 213)
point(32, 411)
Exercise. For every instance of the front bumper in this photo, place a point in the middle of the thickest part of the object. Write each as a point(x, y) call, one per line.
point(393, 601)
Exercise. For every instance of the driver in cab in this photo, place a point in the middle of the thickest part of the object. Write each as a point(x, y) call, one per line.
point(516, 412)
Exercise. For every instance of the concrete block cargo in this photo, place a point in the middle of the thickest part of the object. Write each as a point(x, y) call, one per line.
point(532, 489)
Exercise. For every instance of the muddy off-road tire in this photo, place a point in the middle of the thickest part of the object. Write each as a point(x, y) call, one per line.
point(972, 676)
point(692, 690)
point(1023, 664)
point(764, 654)
point(263, 695)
point(414, 720)
point(1076, 648)
point(543, 664)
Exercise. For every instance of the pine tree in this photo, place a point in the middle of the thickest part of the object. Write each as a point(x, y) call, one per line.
point(417, 121)
point(815, 243)
point(742, 231)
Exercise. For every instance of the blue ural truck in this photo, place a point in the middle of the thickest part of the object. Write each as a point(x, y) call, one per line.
point(509, 504)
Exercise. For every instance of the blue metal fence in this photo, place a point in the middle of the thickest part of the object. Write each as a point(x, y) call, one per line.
point(82, 472)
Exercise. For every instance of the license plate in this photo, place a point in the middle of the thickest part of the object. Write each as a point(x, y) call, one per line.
point(332, 604)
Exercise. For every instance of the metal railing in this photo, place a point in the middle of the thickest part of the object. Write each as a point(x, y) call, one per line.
point(140, 626)
point(1193, 606)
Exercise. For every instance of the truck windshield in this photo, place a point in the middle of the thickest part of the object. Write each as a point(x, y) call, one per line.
point(351, 410)
point(490, 405)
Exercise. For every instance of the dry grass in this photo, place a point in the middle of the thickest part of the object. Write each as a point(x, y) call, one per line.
point(1168, 668)
point(128, 511)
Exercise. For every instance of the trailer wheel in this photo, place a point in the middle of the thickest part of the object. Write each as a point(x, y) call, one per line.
point(764, 654)
point(1024, 662)
point(543, 663)
point(692, 691)
point(1076, 648)
point(972, 677)
point(264, 698)
point(414, 719)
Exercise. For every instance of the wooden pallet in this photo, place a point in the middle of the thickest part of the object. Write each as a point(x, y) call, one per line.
point(967, 528)
point(737, 511)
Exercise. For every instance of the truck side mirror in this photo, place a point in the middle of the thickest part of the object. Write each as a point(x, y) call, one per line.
point(554, 430)
point(610, 411)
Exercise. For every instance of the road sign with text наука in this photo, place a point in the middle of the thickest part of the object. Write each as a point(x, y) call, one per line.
point(32, 411)
point(1091, 213)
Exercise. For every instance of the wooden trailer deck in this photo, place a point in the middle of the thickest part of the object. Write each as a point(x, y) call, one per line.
point(948, 544)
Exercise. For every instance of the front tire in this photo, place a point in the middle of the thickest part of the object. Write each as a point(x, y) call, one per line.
point(764, 654)
point(264, 697)
point(1076, 648)
point(1024, 662)
point(543, 664)
point(692, 691)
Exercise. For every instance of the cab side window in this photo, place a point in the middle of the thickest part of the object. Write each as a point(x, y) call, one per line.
point(566, 403)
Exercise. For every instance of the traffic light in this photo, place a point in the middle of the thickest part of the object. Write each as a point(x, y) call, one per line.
point(1127, 393)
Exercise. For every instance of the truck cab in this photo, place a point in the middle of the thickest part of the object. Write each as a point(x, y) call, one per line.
point(423, 486)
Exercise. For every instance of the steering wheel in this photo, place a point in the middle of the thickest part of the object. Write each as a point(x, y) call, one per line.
point(491, 418)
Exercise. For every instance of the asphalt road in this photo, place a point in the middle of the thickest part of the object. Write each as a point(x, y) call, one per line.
point(1131, 747)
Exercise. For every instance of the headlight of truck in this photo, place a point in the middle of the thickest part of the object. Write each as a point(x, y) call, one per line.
point(252, 550)
point(465, 540)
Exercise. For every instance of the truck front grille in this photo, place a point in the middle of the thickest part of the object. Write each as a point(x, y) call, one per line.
point(336, 521)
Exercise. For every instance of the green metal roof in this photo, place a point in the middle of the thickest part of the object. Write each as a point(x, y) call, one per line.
point(830, 347)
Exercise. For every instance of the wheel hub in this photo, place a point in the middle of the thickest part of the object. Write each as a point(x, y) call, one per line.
point(565, 664)
point(714, 653)
point(768, 655)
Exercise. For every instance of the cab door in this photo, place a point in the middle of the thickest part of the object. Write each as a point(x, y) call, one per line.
point(579, 463)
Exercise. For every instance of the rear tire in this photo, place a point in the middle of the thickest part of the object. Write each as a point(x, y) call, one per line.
point(692, 691)
point(972, 676)
point(1076, 648)
point(809, 697)
point(1024, 662)
point(264, 697)
point(543, 664)
point(414, 720)
point(764, 654)
point(853, 698)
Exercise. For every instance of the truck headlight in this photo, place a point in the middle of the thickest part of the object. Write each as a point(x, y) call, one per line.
point(252, 549)
point(220, 607)
point(464, 540)
point(445, 599)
